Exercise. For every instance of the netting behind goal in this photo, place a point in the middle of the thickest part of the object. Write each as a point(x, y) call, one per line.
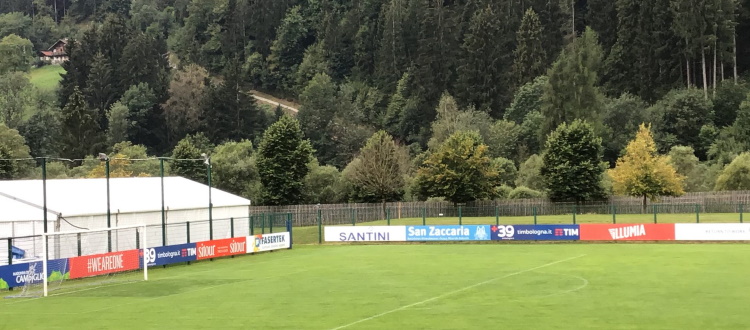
point(83, 260)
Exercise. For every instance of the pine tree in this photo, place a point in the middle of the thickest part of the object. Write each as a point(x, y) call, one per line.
point(393, 55)
point(483, 72)
point(601, 16)
point(81, 133)
point(529, 54)
point(571, 92)
point(100, 91)
point(282, 160)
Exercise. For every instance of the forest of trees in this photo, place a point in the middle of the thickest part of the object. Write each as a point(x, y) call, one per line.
point(523, 98)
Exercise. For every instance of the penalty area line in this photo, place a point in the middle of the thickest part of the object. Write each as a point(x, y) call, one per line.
point(455, 292)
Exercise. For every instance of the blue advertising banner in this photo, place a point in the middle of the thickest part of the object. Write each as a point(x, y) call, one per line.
point(448, 233)
point(31, 273)
point(536, 232)
point(164, 255)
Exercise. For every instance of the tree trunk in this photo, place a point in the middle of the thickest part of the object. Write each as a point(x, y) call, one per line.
point(385, 213)
point(714, 67)
point(722, 71)
point(735, 58)
point(705, 78)
point(687, 64)
point(644, 204)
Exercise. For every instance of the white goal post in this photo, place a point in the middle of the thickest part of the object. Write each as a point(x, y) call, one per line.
point(89, 257)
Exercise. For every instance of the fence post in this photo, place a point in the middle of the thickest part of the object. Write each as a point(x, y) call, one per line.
point(231, 224)
point(270, 223)
point(533, 209)
point(614, 213)
point(460, 216)
point(697, 213)
point(289, 229)
point(354, 218)
point(575, 210)
point(741, 205)
point(320, 228)
point(263, 223)
point(497, 216)
point(252, 225)
point(424, 215)
point(10, 250)
point(188, 236)
point(78, 236)
point(388, 215)
point(654, 206)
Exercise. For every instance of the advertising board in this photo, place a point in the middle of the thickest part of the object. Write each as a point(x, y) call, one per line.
point(365, 233)
point(627, 232)
point(712, 231)
point(448, 233)
point(535, 232)
point(31, 273)
point(105, 263)
point(268, 242)
point(164, 255)
point(221, 248)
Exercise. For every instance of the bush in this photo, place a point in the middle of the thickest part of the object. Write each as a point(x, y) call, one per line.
point(503, 191)
point(522, 192)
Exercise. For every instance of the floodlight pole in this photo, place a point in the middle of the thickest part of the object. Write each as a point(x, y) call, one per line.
point(44, 191)
point(163, 214)
point(210, 202)
point(105, 158)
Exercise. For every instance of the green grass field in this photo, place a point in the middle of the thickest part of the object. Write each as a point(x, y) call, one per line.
point(421, 286)
point(46, 78)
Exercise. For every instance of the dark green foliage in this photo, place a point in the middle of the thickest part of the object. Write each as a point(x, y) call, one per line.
point(727, 102)
point(144, 117)
point(81, 134)
point(678, 119)
point(8, 168)
point(530, 57)
point(621, 119)
point(571, 92)
point(522, 192)
point(571, 166)
point(282, 161)
point(459, 170)
point(42, 132)
point(484, 71)
point(528, 99)
point(187, 162)
point(234, 169)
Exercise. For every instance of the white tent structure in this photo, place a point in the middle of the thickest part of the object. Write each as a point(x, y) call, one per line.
point(74, 204)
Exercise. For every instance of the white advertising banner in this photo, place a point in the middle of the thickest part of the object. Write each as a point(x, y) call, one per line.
point(712, 231)
point(365, 233)
point(268, 242)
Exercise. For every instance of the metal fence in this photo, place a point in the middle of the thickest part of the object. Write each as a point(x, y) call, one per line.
point(174, 233)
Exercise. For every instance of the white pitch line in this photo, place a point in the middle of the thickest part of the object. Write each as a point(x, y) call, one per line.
point(454, 292)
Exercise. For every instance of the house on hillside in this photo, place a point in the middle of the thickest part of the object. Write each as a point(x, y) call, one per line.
point(55, 54)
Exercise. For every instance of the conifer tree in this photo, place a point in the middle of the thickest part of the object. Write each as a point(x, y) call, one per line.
point(529, 54)
point(81, 133)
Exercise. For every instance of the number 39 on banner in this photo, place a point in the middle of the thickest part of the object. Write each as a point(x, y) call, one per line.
point(150, 256)
point(505, 231)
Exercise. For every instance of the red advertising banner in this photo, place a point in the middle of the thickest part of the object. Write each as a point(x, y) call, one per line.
point(221, 247)
point(627, 232)
point(105, 263)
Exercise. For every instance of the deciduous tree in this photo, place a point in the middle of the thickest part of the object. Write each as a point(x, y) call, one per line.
point(641, 171)
point(459, 170)
point(572, 168)
point(736, 176)
point(379, 168)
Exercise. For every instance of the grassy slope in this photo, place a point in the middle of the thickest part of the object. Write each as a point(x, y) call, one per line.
point(46, 78)
point(428, 286)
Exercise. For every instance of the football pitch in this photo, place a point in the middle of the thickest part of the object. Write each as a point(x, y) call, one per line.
point(420, 286)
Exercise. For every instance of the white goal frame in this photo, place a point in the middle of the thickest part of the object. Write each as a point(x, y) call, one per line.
point(143, 248)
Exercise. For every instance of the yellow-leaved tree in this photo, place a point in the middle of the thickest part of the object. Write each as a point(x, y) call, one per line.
point(641, 171)
point(118, 168)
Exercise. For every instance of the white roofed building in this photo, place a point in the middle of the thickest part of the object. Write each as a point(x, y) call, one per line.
point(74, 204)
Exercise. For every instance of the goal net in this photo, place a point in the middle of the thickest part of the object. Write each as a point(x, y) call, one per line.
point(84, 260)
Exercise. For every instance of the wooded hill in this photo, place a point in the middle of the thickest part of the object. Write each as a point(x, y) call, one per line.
point(155, 72)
